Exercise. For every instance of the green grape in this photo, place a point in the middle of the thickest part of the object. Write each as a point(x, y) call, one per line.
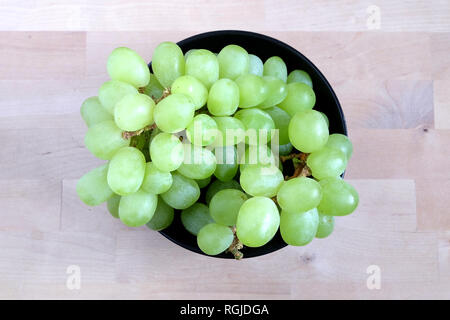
point(308, 131)
point(299, 228)
point(192, 88)
point(326, 163)
point(326, 118)
point(257, 154)
point(258, 125)
point(252, 90)
point(162, 218)
point(299, 194)
point(256, 65)
point(92, 188)
point(340, 142)
point(227, 165)
point(257, 222)
point(233, 62)
point(196, 217)
point(126, 171)
point(203, 182)
point(338, 197)
point(134, 112)
point(156, 181)
point(138, 208)
point(223, 98)
point(299, 76)
point(326, 226)
point(225, 205)
point(166, 151)
point(174, 113)
point(154, 89)
point(203, 65)
point(281, 120)
point(126, 65)
point(218, 185)
point(300, 97)
point(92, 112)
point(113, 205)
point(231, 131)
point(213, 239)
point(275, 66)
point(259, 180)
point(202, 130)
point(276, 92)
point(198, 163)
point(188, 53)
point(168, 63)
point(183, 193)
point(285, 149)
point(112, 92)
point(104, 139)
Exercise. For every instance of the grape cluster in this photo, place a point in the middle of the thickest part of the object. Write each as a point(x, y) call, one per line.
point(220, 128)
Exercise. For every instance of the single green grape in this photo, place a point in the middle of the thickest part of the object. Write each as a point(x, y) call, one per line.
point(203, 65)
point(276, 92)
point(168, 63)
point(162, 218)
point(326, 118)
point(104, 139)
point(188, 53)
point(126, 171)
point(231, 131)
point(300, 97)
point(256, 66)
point(196, 217)
point(213, 239)
point(198, 163)
point(218, 185)
point(138, 208)
point(223, 98)
point(225, 205)
point(183, 192)
point(233, 62)
point(126, 65)
point(166, 151)
point(154, 89)
point(308, 131)
point(202, 130)
point(113, 205)
point(281, 120)
point(260, 180)
point(257, 154)
point(156, 181)
point(92, 188)
point(174, 113)
point(227, 163)
point(252, 90)
point(299, 76)
point(275, 66)
point(326, 226)
point(134, 112)
point(192, 88)
point(338, 197)
point(258, 125)
point(112, 92)
point(299, 194)
point(340, 142)
point(327, 162)
point(299, 228)
point(92, 112)
point(203, 182)
point(257, 222)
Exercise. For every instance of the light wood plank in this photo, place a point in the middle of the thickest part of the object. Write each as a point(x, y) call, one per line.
point(433, 204)
point(441, 104)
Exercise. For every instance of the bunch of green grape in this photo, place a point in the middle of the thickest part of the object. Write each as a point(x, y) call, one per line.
point(205, 137)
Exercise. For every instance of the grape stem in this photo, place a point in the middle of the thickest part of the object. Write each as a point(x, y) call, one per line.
point(165, 94)
point(128, 134)
point(236, 245)
point(299, 161)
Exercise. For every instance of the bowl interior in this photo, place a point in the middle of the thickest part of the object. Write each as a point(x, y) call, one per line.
point(264, 47)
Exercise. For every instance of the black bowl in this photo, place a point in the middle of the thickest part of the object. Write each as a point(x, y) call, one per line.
point(264, 47)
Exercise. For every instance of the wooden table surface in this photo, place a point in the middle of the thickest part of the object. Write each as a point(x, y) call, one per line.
point(390, 67)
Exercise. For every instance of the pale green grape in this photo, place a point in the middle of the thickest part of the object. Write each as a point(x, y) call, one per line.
point(126, 171)
point(299, 228)
point(92, 112)
point(258, 125)
point(260, 180)
point(300, 97)
point(285, 149)
point(275, 66)
point(138, 208)
point(188, 53)
point(92, 188)
point(112, 92)
point(168, 63)
point(326, 118)
point(166, 151)
point(299, 194)
point(257, 222)
point(340, 142)
point(339, 198)
point(105, 139)
point(227, 163)
point(300, 76)
point(256, 65)
point(252, 90)
point(162, 218)
point(218, 185)
point(213, 239)
point(281, 120)
point(183, 192)
point(257, 154)
point(224, 206)
point(203, 65)
point(134, 112)
point(113, 205)
point(196, 217)
point(326, 226)
point(126, 65)
point(202, 130)
point(233, 62)
point(174, 113)
point(203, 182)
point(154, 89)
point(326, 163)
point(198, 163)
point(156, 181)
point(223, 98)
point(192, 88)
point(276, 92)
point(308, 131)
point(231, 131)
